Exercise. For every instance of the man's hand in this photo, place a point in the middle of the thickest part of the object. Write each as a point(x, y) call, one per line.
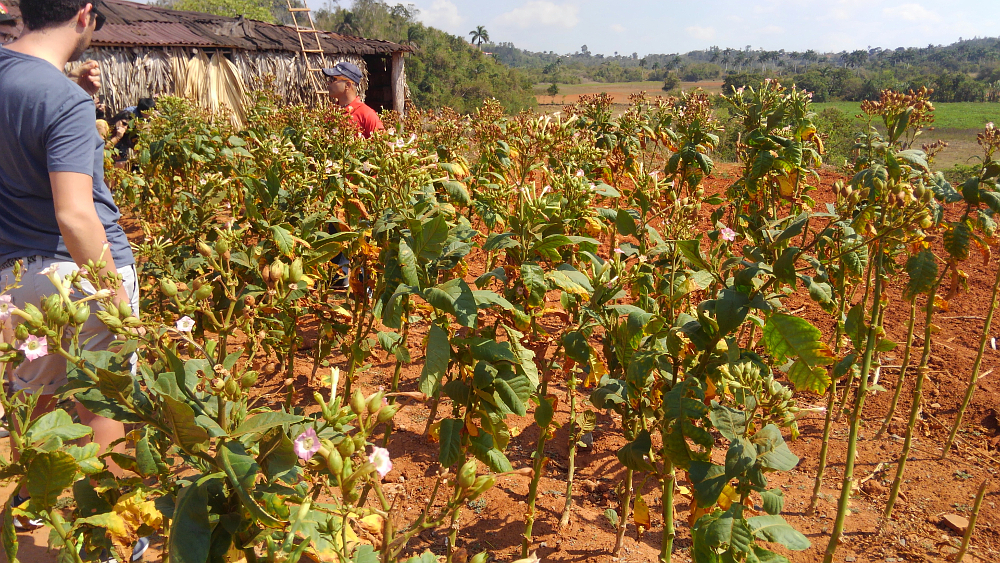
point(88, 76)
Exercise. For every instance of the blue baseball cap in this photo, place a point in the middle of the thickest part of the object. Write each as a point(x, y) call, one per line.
point(347, 70)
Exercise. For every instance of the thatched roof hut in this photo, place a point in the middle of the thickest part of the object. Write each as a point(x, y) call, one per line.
point(147, 51)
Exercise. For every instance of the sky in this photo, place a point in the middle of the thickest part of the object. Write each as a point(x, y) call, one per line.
point(672, 26)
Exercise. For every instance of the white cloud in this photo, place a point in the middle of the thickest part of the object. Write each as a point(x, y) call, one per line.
point(911, 12)
point(617, 28)
point(772, 30)
point(443, 14)
point(699, 32)
point(541, 13)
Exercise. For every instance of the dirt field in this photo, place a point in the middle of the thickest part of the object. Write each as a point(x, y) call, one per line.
point(933, 487)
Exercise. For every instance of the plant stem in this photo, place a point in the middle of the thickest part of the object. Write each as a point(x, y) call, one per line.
point(626, 503)
point(972, 522)
point(975, 368)
point(573, 439)
point(859, 402)
point(914, 408)
point(539, 467)
point(831, 399)
point(902, 370)
point(667, 484)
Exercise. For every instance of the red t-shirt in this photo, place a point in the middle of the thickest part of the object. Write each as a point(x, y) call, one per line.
point(365, 118)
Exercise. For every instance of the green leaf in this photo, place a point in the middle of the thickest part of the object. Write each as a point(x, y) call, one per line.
point(772, 451)
point(513, 392)
point(9, 534)
point(957, 240)
point(691, 250)
point(283, 239)
point(855, 326)
point(190, 530)
point(774, 500)
point(788, 336)
point(730, 422)
point(740, 456)
point(784, 267)
point(534, 283)
point(408, 264)
point(492, 351)
point(484, 450)
point(634, 454)
point(793, 229)
point(526, 357)
point(709, 482)
point(625, 223)
point(544, 412)
point(435, 361)
point(56, 424)
point(86, 458)
point(731, 310)
point(499, 241)
point(186, 432)
point(577, 347)
point(732, 529)
point(265, 421)
point(922, 270)
point(49, 474)
point(429, 237)
point(761, 555)
point(450, 434)
point(775, 529)
point(242, 470)
point(458, 193)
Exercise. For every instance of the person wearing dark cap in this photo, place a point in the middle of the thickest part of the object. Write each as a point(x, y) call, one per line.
point(342, 83)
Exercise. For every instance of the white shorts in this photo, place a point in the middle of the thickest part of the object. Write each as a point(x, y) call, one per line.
point(49, 372)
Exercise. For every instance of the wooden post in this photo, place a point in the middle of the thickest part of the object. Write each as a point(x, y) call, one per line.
point(398, 83)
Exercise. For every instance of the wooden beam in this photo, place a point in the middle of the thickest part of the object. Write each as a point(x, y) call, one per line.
point(398, 84)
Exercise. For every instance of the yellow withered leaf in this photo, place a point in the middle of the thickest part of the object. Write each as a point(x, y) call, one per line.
point(640, 514)
point(728, 497)
point(371, 524)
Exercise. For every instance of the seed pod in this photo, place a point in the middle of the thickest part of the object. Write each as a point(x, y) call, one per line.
point(482, 484)
point(357, 402)
point(467, 474)
point(265, 274)
point(918, 191)
point(295, 271)
point(927, 196)
point(52, 303)
point(168, 287)
point(204, 249)
point(346, 448)
point(926, 222)
point(82, 314)
point(387, 413)
point(278, 270)
point(124, 309)
point(217, 384)
point(221, 246)
point(21, 332)
point(203, 292)
point(249, 379)
point(232, 388)
point(359, 443)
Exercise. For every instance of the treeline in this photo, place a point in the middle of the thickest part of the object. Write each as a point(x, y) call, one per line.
point(968, 70)
point(445, 70)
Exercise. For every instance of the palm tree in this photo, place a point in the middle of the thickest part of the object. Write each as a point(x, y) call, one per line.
point(480, 36)
point(414, 35)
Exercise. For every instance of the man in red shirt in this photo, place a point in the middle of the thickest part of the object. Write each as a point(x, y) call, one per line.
point(342, 83)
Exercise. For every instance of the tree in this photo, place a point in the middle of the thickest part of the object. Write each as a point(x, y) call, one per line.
point(552, 90)
point(251, 9)
point(479, 36)
point(347, 26)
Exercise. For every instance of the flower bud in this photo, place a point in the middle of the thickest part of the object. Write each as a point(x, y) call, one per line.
point(52, 303)
point(335, 463)
point(124, 309)
point(357, 402)
point(21, 332)
point(481, 485)
point(359, 443)
point(467, 474)
point(346, 447)
point(374, 403)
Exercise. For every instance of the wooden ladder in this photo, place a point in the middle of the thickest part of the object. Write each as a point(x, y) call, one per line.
point(304, 32)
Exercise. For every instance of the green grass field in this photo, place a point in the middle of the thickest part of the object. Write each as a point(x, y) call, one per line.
point(960, 115)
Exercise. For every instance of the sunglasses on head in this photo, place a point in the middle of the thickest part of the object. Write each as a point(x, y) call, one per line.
point(101, 18)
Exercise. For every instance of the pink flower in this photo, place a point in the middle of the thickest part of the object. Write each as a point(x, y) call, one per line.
point(5, 307)
point(579, 173)
point(728, 234)
point(306, 445)
point(35, 347)
point(185, 324)
point(380, 459)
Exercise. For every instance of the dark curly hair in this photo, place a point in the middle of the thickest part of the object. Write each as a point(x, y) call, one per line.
point(39, 14)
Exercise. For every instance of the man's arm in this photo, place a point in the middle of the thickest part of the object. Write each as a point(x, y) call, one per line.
point(81, 228)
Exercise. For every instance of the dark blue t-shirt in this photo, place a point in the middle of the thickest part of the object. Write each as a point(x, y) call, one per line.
point(47, 124)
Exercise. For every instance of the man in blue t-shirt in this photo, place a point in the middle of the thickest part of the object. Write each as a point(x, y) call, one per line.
point(57, 212)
